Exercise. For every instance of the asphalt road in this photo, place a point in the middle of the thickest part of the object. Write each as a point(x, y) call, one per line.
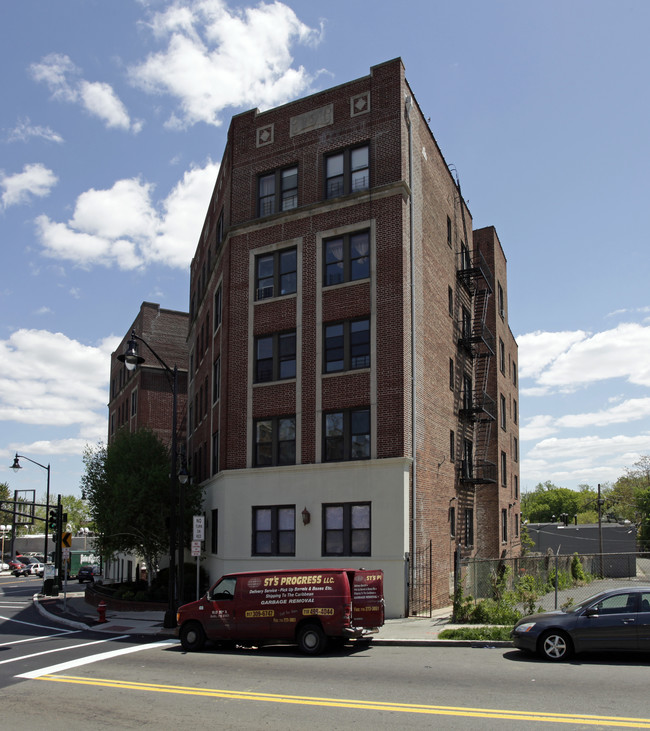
point(56, 679)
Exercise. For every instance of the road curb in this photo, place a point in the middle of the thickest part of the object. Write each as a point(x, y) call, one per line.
point(56, 617)
point(441, 643)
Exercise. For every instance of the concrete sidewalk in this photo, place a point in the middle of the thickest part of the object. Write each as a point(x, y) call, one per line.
point(73, 611)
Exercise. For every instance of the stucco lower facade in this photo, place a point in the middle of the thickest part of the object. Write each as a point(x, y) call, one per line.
point(381, 483)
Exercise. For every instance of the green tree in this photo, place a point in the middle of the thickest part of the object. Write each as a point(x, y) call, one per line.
point(127, 487)
point(547, 502)
point(4, 495)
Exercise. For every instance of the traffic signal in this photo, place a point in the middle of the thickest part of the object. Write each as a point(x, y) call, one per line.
point(53, 520)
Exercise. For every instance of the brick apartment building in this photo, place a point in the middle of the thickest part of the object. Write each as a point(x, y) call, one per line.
point(143, 397)
point(342, 309)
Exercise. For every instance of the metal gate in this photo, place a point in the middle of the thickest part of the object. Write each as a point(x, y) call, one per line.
point(420, 583)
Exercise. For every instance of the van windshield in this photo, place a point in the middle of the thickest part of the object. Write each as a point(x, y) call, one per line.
point(225, 589)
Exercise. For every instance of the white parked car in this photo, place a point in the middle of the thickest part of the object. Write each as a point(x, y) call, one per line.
point(36, 569)
point(4, 566)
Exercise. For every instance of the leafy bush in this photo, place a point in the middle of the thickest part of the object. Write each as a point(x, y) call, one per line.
point(489, 611)
point(476, 633)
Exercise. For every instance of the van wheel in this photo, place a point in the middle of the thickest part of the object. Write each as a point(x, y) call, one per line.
point(311, 639)
point(192, 637)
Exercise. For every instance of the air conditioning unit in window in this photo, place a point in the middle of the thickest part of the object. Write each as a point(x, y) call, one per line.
point(264, 292)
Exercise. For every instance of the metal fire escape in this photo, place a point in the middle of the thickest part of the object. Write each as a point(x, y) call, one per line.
point(477, 343)
point(476, 346)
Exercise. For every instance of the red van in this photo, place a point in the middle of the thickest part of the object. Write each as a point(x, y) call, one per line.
point(307, 607)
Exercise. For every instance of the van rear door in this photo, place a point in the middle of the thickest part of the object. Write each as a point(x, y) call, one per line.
point(367, 598)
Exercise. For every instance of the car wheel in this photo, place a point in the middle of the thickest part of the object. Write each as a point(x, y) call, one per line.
point(311, 639)
point(192, 637)
point(555, 645)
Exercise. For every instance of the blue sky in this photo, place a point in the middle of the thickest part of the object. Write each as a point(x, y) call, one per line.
point(113, 121)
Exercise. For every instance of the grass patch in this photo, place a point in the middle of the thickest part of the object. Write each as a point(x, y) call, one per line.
point(476, 633)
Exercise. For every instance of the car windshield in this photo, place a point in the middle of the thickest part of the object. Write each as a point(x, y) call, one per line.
point(585, 603)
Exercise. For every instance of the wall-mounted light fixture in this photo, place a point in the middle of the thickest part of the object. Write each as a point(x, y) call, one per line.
point(306, 516)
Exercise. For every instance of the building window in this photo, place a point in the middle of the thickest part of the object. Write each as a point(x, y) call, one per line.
point(214, 533)
point(275, 274)
point(515, 449)
point(452, 521)
point(219, 231)
point(469, 526)
point(450, 298)
point(346, 529)
point(347, 258)
point(515, 416)
point(134, 402)
point(216, 380)
point(504, 525)
point(502, 357)
point(452, 446)
point(449, 241)
point(501, 298)
point(275, 441)
point(502, 401)
point(217, 308)
point(274, 531)
point(347, 172)
point(517, 525)
point(215, 453)
point(278, 191)
point(468, 400)
point(504, 476)
point(452, 375)
point(346, 346)
point(516, 487)
point(346, 435)
point(468, 459)
point(514, 373)
point(275, 357)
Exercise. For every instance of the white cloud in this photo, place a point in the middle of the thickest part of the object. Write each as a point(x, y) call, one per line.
point(37, 370)
point(538, 350)
point(97, 98)
point(217, 58)
point(25, 130)
point(34, 180)
point(121, 226)
point(587, 459)
point(567, 360)
point(100, 99)
point(622, 352)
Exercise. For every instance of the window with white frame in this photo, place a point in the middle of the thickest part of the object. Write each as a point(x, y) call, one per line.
point(346, 345)
point(347, 172)
point(275, 441)
point(274, 530)
point(347, 258)
point(278, 191)
point(275, 357)
point(346, 435)
point(276, 274)
point(346, 529)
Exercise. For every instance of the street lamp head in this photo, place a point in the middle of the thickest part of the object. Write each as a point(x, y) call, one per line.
point(130, 358)
point(16, 465)
point(183, 476)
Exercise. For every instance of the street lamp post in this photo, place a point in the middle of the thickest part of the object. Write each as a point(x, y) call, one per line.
point(131, 360)
point(17, 466)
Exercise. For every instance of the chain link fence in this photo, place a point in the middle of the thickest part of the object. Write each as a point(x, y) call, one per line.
point(537, 582)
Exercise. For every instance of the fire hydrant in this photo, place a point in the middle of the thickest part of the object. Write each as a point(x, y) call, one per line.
point(101, 611)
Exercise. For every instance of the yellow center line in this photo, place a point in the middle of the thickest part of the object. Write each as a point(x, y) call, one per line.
point(365, 705)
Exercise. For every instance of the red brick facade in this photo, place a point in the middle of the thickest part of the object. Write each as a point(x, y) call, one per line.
point(406, 200)
point(143, 397)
